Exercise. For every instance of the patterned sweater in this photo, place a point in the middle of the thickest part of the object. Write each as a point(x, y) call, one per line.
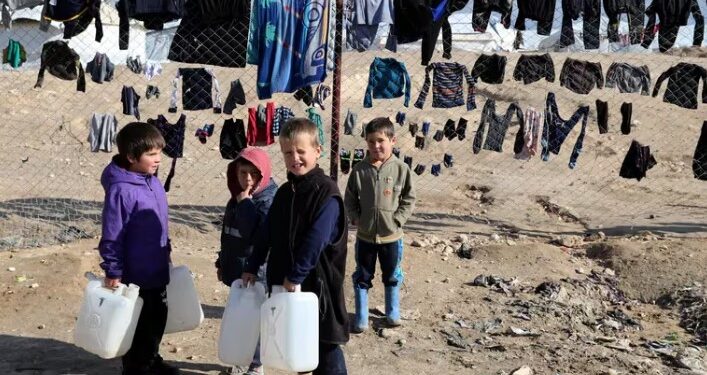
point(388, 78)
point(447, 89)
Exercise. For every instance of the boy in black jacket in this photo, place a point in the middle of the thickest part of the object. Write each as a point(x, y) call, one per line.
point(305, 235)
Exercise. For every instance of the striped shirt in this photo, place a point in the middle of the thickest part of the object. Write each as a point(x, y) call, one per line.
point(448, 86)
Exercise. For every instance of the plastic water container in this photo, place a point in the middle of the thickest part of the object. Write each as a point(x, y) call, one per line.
point(240, 325)
point(289, 331)
point(184, 309)
point(108, 317)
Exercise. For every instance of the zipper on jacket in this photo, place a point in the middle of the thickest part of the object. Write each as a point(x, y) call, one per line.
point(289, 232)
point(376, 196)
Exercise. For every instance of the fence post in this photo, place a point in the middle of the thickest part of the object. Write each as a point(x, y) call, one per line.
point(336, 95)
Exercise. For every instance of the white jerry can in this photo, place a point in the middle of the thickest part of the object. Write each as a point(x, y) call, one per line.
point(108, 317)
point(289, 331)
point(184, 309)
point(240, 325)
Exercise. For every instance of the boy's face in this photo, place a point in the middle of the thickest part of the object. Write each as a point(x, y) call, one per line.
point(148, 163)
point(380, 147)
point(300, 154)
point(249, 177)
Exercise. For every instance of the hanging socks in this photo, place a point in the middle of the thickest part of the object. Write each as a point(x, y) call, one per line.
point(425, 128)
point(626, 110)
point(461, 128)
point(408, 160)
point(436, 169)
point(448, 160)
point(345, 160)
point(152, 91)
point(396, 152)
point(413, 129)
point(420, 142)
point(603, 116)
point(439, 135)
point(204, 132)
point(357, 157)
point(449, 131)
point(400, 118)
point(419, 169)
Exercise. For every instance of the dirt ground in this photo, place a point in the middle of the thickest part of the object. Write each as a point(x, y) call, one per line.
point(450, 326)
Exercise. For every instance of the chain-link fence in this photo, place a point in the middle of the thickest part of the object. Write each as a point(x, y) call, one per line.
point(466, 169)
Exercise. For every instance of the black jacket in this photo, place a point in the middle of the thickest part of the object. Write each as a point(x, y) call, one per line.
point(542, 11)
point(213, 32)
point(683, 82)
point(581, 76)
point(532, 68)
point(76, 16)
point(672, 14)
point(291, 215)
point(490, 68)
point(153, 13)
point(62, 62)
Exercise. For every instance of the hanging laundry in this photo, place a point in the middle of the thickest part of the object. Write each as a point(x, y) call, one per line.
point(408, 160)
point(590, 11)
point(672, 15)
point(396, 152)
point(449, 130)
point(603, 116)
point(288, 43)
point(387, 78)
point(232, 139)
point(683, 82)
point(415, 20)
point(581, 76)
point(448, 160)
point(461, 128)
point(173, 135)
point(153, 14)
point(448, 87)
point(215, 32)
point(482, 12)
point(420, 169)
point(152, 91)
point(420, 142)
point(364, 18)
point(412, 128)
point(628, 78)
point(439, 134)
point(699, 160)
point(436, 169)
point(204, 132)
point(345, 160)
point(400, 118)
point(63, 62)
point(310, 98)
point(103, 129)
point(134, 64)
point(542, 11)
point(490, 68)
point(350, 122)
point(637, 162)
point(200, 90)
point(260, 125)
point(425, 128)
point(14, 54)
point(634, 10)
point(282, 114)
point(152, 69)
point(235, 96)
point(532, 68)
point(498, 126)
point(76, 15)
point(358, 156)
point(100, 68)
point(626, 110)
point(526, 143)
point(556, 130)
point(130, 100)
point(8, 8)
point(317, 119)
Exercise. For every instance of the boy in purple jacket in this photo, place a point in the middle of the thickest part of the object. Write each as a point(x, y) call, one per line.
point(135, 243)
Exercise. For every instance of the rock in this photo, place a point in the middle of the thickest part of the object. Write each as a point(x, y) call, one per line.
point(476, 195)
point(446, 280)
point(434, 239)
point(41, 326)
point(448, 316)
point(463, 238)
point(387, 333)
point(510, 242)
point(193, 357)
point(11, 269)
point(401, 342)
point(524, 370)
point(175, 349)
point(495, 237)
point(448, 250)
point(379, 310)
point(611, 371)
point(466, 251)
point(34, 286)
point(609, 272)
point(580, 271)
point(410, 315)
point(416, 243)
point(428, 281)
point(569, 240)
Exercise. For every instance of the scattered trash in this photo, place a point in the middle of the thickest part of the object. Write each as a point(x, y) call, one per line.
point(11, 269)
point(692, 302)
point(515, 331)
point(524, 370)
point(623, 345)
point(20, 278)
point(71, 234)
point(488, 326)
point(455, 339)
point(549, 289)
point(34, 286)
point(466, 251)
point(496, 283)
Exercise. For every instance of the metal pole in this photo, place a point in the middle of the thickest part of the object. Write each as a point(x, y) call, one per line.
point(336, 94)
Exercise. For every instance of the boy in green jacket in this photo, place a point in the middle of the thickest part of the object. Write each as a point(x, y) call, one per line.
point(379, 199)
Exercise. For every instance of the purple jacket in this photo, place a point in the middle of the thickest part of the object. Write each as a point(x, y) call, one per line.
point(135, 242)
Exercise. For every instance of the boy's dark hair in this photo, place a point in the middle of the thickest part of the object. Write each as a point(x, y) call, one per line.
point(136, 138)
point(381, 124)
point(300, 125)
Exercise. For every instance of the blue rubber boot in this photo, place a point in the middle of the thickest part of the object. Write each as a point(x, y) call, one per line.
point(392, 305)
point(361, 318)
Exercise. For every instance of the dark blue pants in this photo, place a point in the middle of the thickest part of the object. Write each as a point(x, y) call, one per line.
point(331, 360)
point(389, 255)
point(148, 333)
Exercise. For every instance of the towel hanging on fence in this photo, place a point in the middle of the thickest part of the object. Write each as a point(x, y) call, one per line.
point(14, 54)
